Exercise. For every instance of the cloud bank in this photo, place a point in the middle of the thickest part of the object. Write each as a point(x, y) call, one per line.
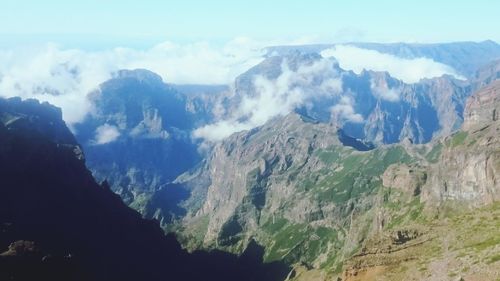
point(64, 77)
point(60, 77)
point(277, 97)
point(406, 70)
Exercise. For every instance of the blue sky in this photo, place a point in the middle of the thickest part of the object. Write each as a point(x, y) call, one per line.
point(42, 42)
point(134, 23)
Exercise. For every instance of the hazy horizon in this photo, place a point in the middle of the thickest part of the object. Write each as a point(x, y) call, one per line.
point(105, 24)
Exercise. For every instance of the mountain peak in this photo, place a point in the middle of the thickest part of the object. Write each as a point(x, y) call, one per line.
point(42, 118)
point(143, 75)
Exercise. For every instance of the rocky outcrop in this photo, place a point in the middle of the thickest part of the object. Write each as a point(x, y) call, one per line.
point(468, 169)
point(289, 180)
point(388, 109)
point(486, 74)
point(389, 248)
point(460, 175)
point(459, 246)
point(20, 248)
point(150, 128)
point(243, 171)
point(483, 107)
point(408, 179)
point(294, 187)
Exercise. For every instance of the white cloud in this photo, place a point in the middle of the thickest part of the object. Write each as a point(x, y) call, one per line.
point(222, 129)
point(106, 134)
point(277, 97)
point(61, 77)
point(344, 111)
point(381, 90)
point(200, 62)
point(64, 77)
point(407, 70)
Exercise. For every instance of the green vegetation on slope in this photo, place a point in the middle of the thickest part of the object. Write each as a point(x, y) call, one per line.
point(355, 173)
point(348, 175)
point(461, 244)
point(297, 242)
point(458, 139)
point(433, 155)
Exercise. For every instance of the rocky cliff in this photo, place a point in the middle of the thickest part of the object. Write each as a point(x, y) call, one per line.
point(293, 186)
point(297, 187)
point(483, 107)
point(468, 169)
point(456, 239)
point(372, 105)
point(57, 223)
point(138, 135)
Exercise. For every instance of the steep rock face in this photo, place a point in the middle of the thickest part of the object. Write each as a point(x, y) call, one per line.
point(57, 223)
point(245, 170)
point(469, 175)
point(403, 177)
point(203, 102)
point(372, 105)
point(399, 111)
point(43, 119)
point(461, 199)
point(483, 107)
point(486, 74)
point(138, 135)
point(294, 187)
point(322, 211)
point(448, 97)
point(49, 197)
point(469, 167)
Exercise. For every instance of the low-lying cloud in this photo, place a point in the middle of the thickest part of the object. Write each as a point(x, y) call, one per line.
point(106, 134)
point(406, 70)
point(64, 77)
point(277, 97)
point(344, 111)
point(383, 91)
point(60, 77)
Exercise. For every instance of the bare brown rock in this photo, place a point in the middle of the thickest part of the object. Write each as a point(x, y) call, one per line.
point(483, 107)
point(408, 179)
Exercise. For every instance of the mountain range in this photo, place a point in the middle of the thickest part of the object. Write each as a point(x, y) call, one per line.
point(299, 170)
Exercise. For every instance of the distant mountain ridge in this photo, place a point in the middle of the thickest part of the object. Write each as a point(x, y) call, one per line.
point(465, 57)
point(391, 109)
point(154, 120)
